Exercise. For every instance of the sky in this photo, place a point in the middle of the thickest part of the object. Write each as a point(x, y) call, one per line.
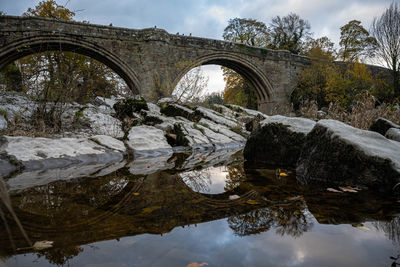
point(208, 18)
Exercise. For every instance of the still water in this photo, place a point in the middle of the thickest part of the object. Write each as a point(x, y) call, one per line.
point(194, 213)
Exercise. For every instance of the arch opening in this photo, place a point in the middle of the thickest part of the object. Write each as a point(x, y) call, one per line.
point(254, 78)
point(26, 47)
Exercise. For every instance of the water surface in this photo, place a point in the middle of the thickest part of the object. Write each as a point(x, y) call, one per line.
point(196, 213)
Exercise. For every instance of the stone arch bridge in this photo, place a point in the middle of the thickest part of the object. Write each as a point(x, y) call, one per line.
point(152, 59)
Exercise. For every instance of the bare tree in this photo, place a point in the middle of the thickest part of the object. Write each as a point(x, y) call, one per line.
point(386, 31)
point(191, 87)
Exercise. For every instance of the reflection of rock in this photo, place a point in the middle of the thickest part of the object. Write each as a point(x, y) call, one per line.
point(338, 153)
point(42, 177)
point(278, 141)
point(150, 165)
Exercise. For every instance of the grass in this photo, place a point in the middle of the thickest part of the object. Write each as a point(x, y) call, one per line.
point(362, 114)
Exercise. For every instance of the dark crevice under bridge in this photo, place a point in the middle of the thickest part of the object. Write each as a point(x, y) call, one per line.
point(151, 59)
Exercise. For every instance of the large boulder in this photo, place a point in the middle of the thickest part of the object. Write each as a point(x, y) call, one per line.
point(336, 153)
point(147, 141)
point(382, 125)
point(394, 134)
point(278, 141)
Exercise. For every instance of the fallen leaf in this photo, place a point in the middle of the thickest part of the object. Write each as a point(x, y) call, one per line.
point(136, 194)
point(283, 174)
point(40, 245)
point(150, 209)
point(251, 202)
point(173, 136)
point(364, 227)
point(195, 264)
point(171, 160)
point(148, 166)
point(233, 197)
point(348, 189)
point(333, 190)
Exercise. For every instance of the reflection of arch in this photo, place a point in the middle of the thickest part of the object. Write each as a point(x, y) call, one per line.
point(242, 66)
point(31, 45)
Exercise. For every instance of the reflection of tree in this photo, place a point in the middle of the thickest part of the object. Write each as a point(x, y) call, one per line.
point(250, 223)
point(60, 256)
point(198, 180)
point(235, 175)
point(391, 229)
point(289, 218)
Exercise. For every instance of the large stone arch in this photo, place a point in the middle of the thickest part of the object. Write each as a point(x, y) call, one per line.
point(34, 44)
point(239, 64)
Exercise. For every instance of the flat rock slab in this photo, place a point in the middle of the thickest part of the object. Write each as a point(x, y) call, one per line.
point(45, 153)
point(147, 141)
point(109, 142)
point(278, 141)
point(216, 117)
point(336, 153)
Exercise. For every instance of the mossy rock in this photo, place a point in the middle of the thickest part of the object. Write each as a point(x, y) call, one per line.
point(173, 110)
point(176, 136)
point(126, 107)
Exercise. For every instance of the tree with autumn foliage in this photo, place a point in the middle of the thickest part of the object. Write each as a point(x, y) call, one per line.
point(238, 90)
point(355, 42)
point(60, 77)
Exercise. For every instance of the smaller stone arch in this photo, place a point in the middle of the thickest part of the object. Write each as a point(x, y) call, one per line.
point(242, 66)
point(42, 43)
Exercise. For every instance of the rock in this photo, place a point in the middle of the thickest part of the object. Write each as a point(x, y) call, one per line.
point(196, 138)
point(126, 107)
point(219, 141)
point(381, 126)
point(102, 124)
point(3, 123)
point(216, 117)
point(98, 101)
point(336, 153)
point(277, 142)
point(394, 134)
point(45, 153)
point(173, 110)
point(254, 122)
point(165, 100)
point(109, 142)
point(222, 129)
point(14, 104)
point(153, 108)
point(227, 112)
point(147, 141)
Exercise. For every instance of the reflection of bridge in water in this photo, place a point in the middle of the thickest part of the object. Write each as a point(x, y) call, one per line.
point(84, 211)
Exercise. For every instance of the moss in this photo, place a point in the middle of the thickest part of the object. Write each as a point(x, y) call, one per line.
point(4, 113)
point(126, 107)
point(217, 109)
point(196, 126)
point(152, 120)
point(180, 139)
point(175, 110)
point(204, 125)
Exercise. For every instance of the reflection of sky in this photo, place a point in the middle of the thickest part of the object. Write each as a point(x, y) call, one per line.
point(215, 243)
point(216, 183)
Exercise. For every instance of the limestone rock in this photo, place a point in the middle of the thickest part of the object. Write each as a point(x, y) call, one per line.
point(14, 104)
point(102, 124)
point(381, 126)
point(278, 141)
point(173, 110)
point(109, 142)
point(222, 129)
point(147, 141)
point(394, 134)
point(45, 153)
point(336, 153)
point(216, 117)
point(3, 123)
